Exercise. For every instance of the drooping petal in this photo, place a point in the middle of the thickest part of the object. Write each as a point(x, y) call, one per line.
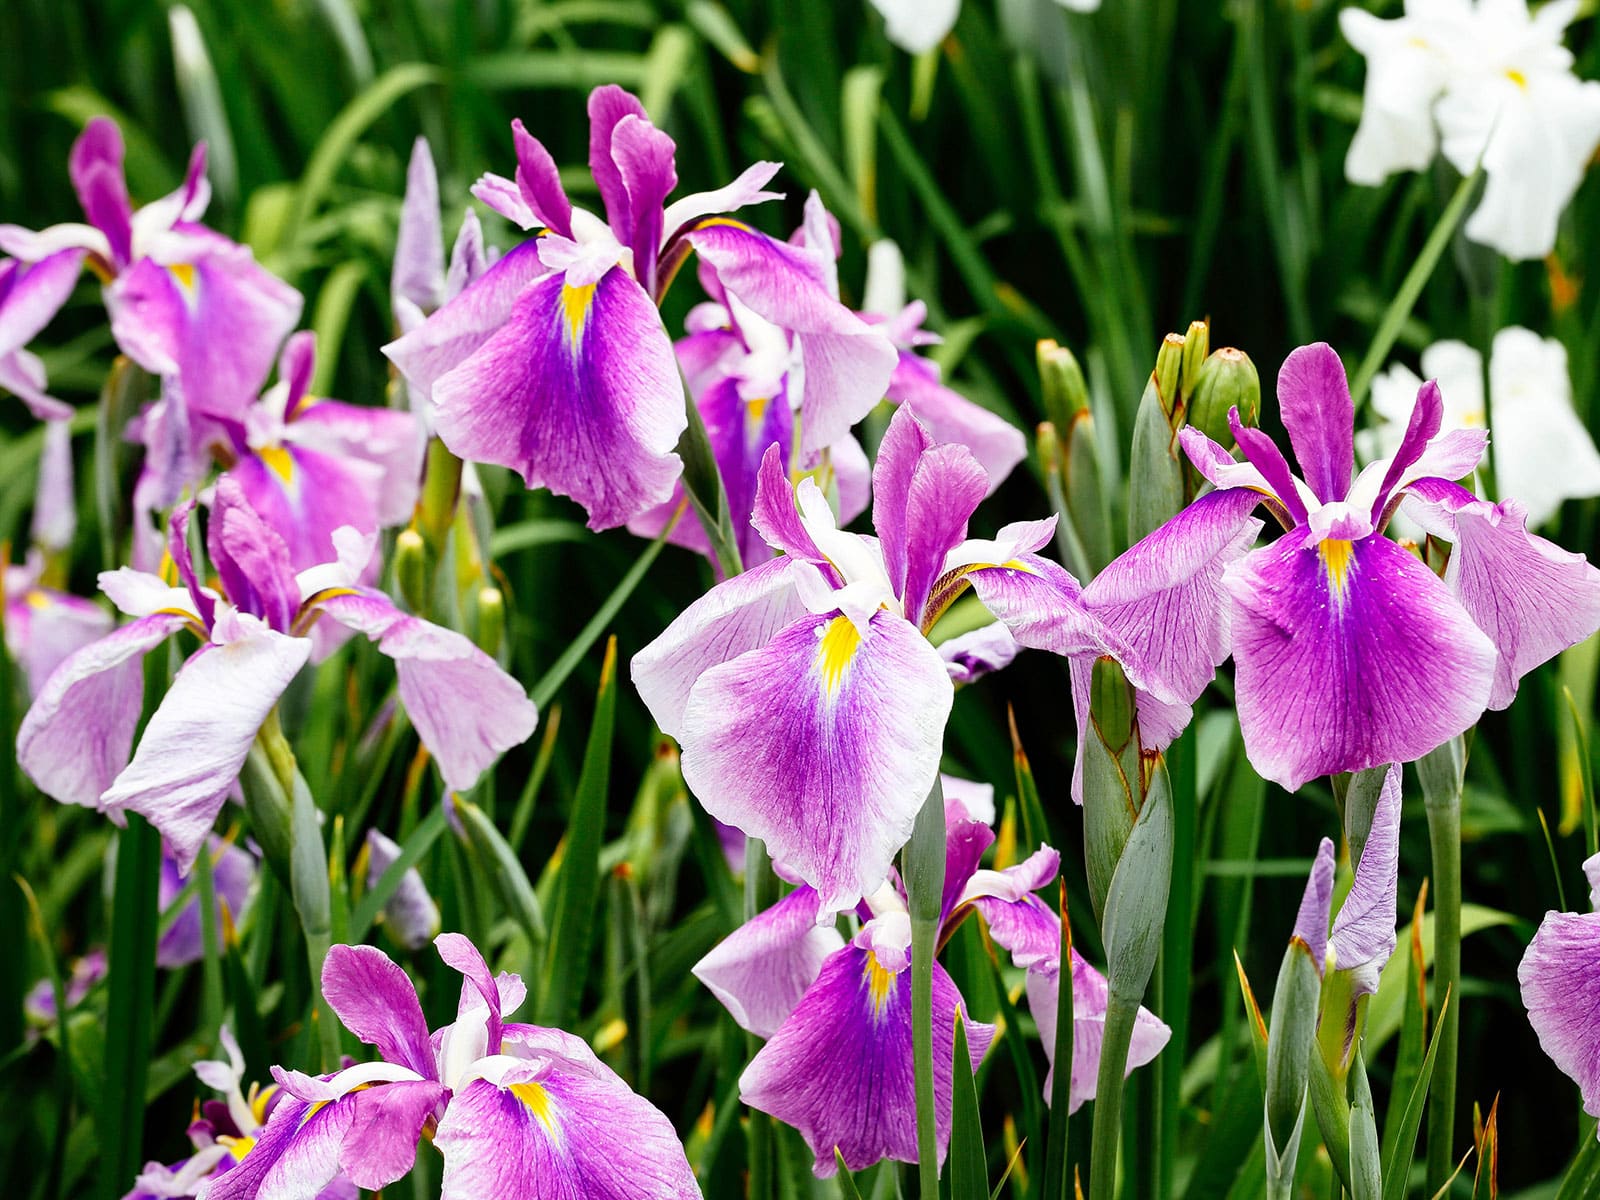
point(1316, 903)
point(216, 320)
point(1349, 655)
point(233, 872)
point(76, 736)
point(418, 272)
point(1019, 921)
point(970, 656)
point(846, 362)
point(917, 26)
point(1363, 935)
point(577, 391)
point(195, 744)
point(840, 1068)
point(378, 1003)
point(1530, 596)
point(739, 614)
point(558, 1124)
point(824, 744)
point(760, 970)
point(1090, 997)
point(44, 628)
point(1560, 977)
point(31, 295)
point(466, 709)
point(1039, 603)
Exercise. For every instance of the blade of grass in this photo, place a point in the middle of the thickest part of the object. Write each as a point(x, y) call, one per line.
point(969, 1168)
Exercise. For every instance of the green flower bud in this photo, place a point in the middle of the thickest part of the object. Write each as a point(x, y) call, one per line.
point(1066, 396)
point(491, 620)
point(1196, 345)
point(1227, 380)
point(411, 569)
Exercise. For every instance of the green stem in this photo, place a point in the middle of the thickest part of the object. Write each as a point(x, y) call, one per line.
point(1121, 1011)
point(211, 1000)
point(1443, 805)
point(924, 874)
point(760, 892)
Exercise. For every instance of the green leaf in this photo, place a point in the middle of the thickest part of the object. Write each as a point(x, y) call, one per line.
point(1397, 1171)
point(968, 1165)
point(578, 882)
point(922, 866)
point(847, 1181)
point(497, 861)
point(1366, 1172)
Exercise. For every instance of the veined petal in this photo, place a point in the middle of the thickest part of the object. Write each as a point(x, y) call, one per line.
point(609, 106)
point(30, 296)
point(44, 628)
point(387, 438)
point(251, 559)
point(378, 1003)
point(410, 916)
point(970, 656)
point(1560, 977)
point(997, 444)
point(748, 188)
point(1363, 935)
point(1089, 1002)
point(558, 1126)
point(418, 272)
point(466, 709)
point(1349, 655)
point(1316, 903)
point(216, 321)
point(539, 182)
point(824, 744)
point(1530, 596)
point(1040, 603)
point(644, 157)
point(846, 362)
point(195, 744)
point(578, 392)
point(840, 1069)
point(760, 970)
point(739, 614)
point(76, 736)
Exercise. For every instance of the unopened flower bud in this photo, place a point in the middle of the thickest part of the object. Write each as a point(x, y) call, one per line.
point(1168, 376)
point(1228, 380)
point(441, 487)
point(411, 569)
point(1066, 396)
point(491, 620)
point(1196, 345)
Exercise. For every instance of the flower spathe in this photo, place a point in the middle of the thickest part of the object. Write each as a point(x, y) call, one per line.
point(1560, 978)
point(1351, 653)
point(1486, 80)
point(184, 300)
point(1543, 454)
point(516, 1110)
point(75, 739)
point(808, 701)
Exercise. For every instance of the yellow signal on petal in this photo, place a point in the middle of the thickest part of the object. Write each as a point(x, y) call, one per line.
point(184, 274)
point(757, 408)
point(1336, 555)
point(1518, 78)
point(237, 1146)
point(279, 460)
point(538, 1102)
point(575, 302)
point(879, 982)
point(835, 652)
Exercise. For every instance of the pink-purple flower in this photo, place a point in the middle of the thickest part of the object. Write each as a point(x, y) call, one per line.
point(1560, 977)
point(1350, 652)
point(30, 295)
point(254, 630)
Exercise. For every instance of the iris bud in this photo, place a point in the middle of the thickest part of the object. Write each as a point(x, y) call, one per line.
point(1227, 380)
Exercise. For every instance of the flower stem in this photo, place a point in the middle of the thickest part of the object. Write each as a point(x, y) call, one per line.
point(1121, 1010)
point(924, 874)
point(760, 893)
point(1440, 772)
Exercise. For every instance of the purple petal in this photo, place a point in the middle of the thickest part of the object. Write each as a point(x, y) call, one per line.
point(216, 320)
point(950, 417)
point(1530, 596)
point(922, 497)
point(468, 258)
point(32, 295)
point(578, 392)
point(466, 709)
point(970, 656)
point(178, 551)
point(194, 746)
point(386, 438)
point(608, 107)
point(233, 871)
point(846, 362)
point(823, 743)
point(1311, 922)
point(1039, 603)
point(55, 512)
point(410, 916)
point(1348, 656)
point(418, 273)
point(301, 496)
point(458, 952)
point(503, 196)
point(76, 736)
point(761, 969)
point(1363, 934)
point(748, 188)
point(775, 515)
point(252, 561)
point(1314, 400)
point(1560, 977)
point(378, 1003)
point(1273, 469)
point(44, 628)
point(385, 1126)
point(965, 842)
point(644, 157)
point(539, 182)
point(739, 614)
point(22, 374)
point(1164, 598)
point(95, 166)
point(1089, 1002)
point(557, 1125)
point(840, 1069)
point(1427, 415)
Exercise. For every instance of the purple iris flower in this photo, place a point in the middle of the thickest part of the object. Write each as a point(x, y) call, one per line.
point(410, 916)
point(75, 739)
point(234, 873)
point(745, 373)
point(30, 295)
point(39, 1005)
point(555, 362)
point(516, 1110)
point(222, 1133)
point(1560, 977)
point(837, 1064)
point(183, 299)
point(420, 281)
point(1350, 652)
point(807, 698)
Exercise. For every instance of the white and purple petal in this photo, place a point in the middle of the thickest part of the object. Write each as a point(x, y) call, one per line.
point(1560, 977)
point(1090, 997)
point(760, 970)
